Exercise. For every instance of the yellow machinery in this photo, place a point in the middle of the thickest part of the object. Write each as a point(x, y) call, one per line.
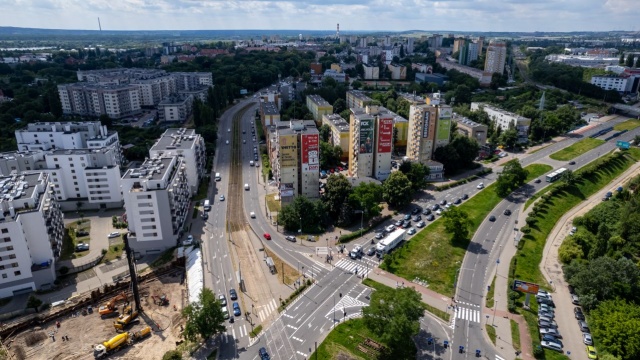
point(139, 335)
point(125, 320)
point(110, 307)
point(112, 345)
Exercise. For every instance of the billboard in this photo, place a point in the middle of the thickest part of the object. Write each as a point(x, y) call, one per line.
point(286, 190)
point(623, 144)
point(366, 136)
point(288, 152)
point(385, 135)
point(425, 124)
point(443, 129)
point(531, 288)
point(310, 153)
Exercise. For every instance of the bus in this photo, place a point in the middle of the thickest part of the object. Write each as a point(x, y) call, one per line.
point(556, 175)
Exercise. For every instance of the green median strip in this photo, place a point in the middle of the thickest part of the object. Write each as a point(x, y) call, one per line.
point(577, 149)
point(491, 331)
point(627, 125)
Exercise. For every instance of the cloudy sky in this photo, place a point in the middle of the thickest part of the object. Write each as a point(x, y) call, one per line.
point(456, 15)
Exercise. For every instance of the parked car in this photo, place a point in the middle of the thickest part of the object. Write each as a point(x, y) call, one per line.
point(572, 162)
point(252, 215)
point(113, 234)
point(415, 211)
point(225, 312)
point(82, 247)
point(390, 228)
point(547, 324)
point(571, 289)
point(417, 218)
point(578, 313)
point(236, 309)
point(431, 217)
point(443, 202)
point(290, 238)
point(575, 300)
point(551, 345)
point(546, 314)
point(267, 236)
point(371, 251)
point(406, 224)
point(465, 196)
point(407, 217)
point(233, 294)
point(398, 223)
point(222, 299)
point(552, 332)
point(458, 201)
point(480, 186)
point(188, 241)
point(552, 339)
point(264, 355)
point(411, 231)
point(591, 352)
point(583, 326)
point(221, 197)
point(426, 212)
point(435, 207)
point(439, 212)
point(81, 233)
point(587, 339)
point(545, 318)
point(421, 224)
point(379, 235)
point(547, 301)
point(537, 181)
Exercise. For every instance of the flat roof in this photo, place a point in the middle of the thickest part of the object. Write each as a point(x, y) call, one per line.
point(318, 100)
point(157, 168)
point(175, 138)
point(19, 186)
point(270, 108)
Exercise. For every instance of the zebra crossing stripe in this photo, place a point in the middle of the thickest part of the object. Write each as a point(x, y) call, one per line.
point(467, 314)
point(499, 358)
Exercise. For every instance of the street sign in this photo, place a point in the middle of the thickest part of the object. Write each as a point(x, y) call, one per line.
point(623, 144)
point(526, 287)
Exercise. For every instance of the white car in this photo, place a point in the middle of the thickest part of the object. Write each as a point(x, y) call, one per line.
point(113, 234)
point(252, 215)
point(228, 130)
point(189, 241)
point(551, 345)
point(439, 212)
point(480, 186)
point(411, 231)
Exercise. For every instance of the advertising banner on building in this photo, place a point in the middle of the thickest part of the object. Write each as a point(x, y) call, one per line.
point(288, 150)
point(286, 190)
point(425, 124)
point(310, 153)
point(385, 135)
point(526, 287)
point(443, 129)
point(366, 136)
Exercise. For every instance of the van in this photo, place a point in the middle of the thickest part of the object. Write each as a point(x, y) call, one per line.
point(207, 205)
point(218, 177)
point(246, 186)
point(251, 163)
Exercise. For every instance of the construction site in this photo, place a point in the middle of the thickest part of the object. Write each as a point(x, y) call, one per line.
point(135, 319)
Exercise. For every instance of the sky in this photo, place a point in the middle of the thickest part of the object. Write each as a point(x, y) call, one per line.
point(352, 15)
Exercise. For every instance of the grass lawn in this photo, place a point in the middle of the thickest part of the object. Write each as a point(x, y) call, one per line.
point(431, 256)
point(576, 149)
point(114, 252)
point(489, 303)
point(515, 335)
point(627, 125)
point(437, 312)
point(491, 331)
point(70, 240)
point(272, 203)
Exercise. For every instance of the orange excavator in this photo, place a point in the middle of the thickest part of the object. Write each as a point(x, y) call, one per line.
point(110, 307)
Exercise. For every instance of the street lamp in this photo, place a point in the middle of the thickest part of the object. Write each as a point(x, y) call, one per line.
point(300, 230)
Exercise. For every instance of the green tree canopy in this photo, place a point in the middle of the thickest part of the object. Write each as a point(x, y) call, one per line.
point(204, 318)
point(511, 178)
point(416, 173)
point(302, 212)
point(367, 196)
point(397, 189)
point(456, 223)
point(616, 326)
point(336, 193)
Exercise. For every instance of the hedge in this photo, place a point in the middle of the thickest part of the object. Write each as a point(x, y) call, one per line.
point(356, 234)
point(464, 181)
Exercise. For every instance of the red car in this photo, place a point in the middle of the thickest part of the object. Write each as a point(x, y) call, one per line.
point(339, 168)
point(267, 236)
point(331, 170)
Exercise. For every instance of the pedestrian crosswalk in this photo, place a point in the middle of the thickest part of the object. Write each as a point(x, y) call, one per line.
point(313, 271)
point(499, 358)
point(346, 304)
point(230, 334)
point(466, 311)
point(362, 268)
point(265, 310)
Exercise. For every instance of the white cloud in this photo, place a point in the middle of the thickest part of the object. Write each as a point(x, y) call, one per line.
point(444, 15)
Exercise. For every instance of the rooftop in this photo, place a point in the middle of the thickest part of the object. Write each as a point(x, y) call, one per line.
point(463, 120)
point(360, 95)
point(318, 100)
point(152, 169)
point(176, 138)
point(18, 187)
point(270, 108)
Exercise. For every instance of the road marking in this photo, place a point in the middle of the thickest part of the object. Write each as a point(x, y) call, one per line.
point(293, 327)
point(305, 355)
point(233, 331)
point(499, 358)
point(467, 314)
point(289, 316)
point(244, 330)
point(295, 338)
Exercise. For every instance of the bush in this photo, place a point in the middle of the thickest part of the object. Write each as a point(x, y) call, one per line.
point(104, 252)
point(356, 234)
point(172, 355)
point(538, 353)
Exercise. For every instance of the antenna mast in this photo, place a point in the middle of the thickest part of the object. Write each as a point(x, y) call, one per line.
point(99, 26)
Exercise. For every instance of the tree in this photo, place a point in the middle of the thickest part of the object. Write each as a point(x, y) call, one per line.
point(336, 192)
point(33, 303)
point(204, 318)
point(616, 325)
point(325, 132)
point(457, 223)
point(396, 190)
point(367, 196)
point(172, 355)
point(394, 315)
point(621, 61)
point(339, 106)
point(105, 120)
point(638, 62)
point(568, 178)
point(329, 155)
point(509, 138)
point(416, 173)
point(302, 212)
point(511, 178)
point(630, 59)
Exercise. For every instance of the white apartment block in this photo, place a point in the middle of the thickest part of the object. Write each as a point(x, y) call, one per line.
point(371, 72)
point(116, 101)
point(153, 90)
point(175, 108)
point(339, 131)
point(156, 198)
point(193, 80)
point(68, 135)
point(188, 145)
point(504, 119)
point(31, 231)
point(583, 61)
point(612, 82)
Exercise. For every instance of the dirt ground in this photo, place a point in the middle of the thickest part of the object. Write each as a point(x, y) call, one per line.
point(85, 331)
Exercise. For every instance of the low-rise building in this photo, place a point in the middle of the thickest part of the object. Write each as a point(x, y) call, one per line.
point(318, 107)
point(175, 108)
point(436, 78)
point(337, 76)
point(31, 230)
point(371, 72)
point(583, 61)
point(623, 83)
point(505, 119)
point(471, 129)
point(398, 72)
point(339, 132)
point(358, 99)
point(156, 196)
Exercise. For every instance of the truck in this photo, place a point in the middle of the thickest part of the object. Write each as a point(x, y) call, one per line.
point(386, 245)
point(207, 205)
point(141, 334)
point(111, 346)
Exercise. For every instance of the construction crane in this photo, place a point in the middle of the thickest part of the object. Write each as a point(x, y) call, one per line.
point(129, 314)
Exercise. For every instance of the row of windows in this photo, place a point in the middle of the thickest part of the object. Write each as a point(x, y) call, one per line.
point(16, 273)
point(12, 265)
point(6, 248)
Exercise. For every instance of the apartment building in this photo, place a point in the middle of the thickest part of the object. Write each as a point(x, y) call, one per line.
point(200, 93)
point(370, 142)
point(429, 128)
point(31, 230)
point(494, 61)
point(398, 72)
point(175, 108)
point(471, 129)
point(468, 53)
point(116, 101)
point(505, 119)
point(269, 114)
point(295, 159)
point(193, 80)
point(358, 99)
point(318, 107)
point(183, 80)
point(582, 61)
point(189, 146)
point(154, 90)
point(337, 76)
point(156, 196)
point(371, 72)
point(620, 83)
point(339, 132)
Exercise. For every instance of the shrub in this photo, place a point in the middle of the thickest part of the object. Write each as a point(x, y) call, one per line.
point(172, 355)
point(64, 270)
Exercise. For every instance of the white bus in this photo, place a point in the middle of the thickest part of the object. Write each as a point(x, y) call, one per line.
point(556, 175)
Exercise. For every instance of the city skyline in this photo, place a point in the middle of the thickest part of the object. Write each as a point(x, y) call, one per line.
point(353, 15)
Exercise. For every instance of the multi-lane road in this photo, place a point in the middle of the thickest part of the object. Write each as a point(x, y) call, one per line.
point(294, 333)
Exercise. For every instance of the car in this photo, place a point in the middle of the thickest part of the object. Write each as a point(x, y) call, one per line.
point(551, 345)
point(552, 332)
point(448, 206)
point(252, 215)
point(575, 300)
point(254, 139)
point(236, 309)
point(340, 168)
point(407, 217)
point(572, 162)
point(542, 293)
point(547, 308)
point(547, 301)
point(591, 352)
point(443, 202)
point(222, 299)
point(421, 224)
point(244, 141)
point(458, 201)
point(323, 174)
point(507, 212)
point(390, 228)
point(547, 324)
point(267, 236)
point(480, 186)
point(577, 310)
point(205, 216)
point(587, 339)
point(225, 312)
point(426, 212)
point(415, 211)
point(465, 196)
point(431, 217)
point(81, 233)
point(417, 218)
point(398, 223)
point(435, 207)
point(228, 130)
point(543, 296)
point(290, 238)
point(114, 234)
point(244, 131)
point(583, 326)
point(406, 225)
point(411, 231)
point(439, 212)
point(82, 247)
point(188, 241)
point(233, 294)
point(546, 314)
point(492, 218)
point(544, 318)
point(226, 142)
point(371, 251)
point(264, 355)
point(379, 235)
point(537, 181)
point(552, 339)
